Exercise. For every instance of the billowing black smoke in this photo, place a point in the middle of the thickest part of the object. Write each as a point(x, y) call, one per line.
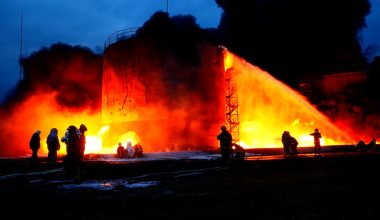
point(295, 39)
point(178, 34)
point(289, 38)
point(73, 72)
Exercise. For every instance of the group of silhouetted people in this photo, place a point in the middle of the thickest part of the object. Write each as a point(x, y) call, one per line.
point(362, 147)
point(75, 141)
point(290, 143)
point(52, 144)
point(130, 151)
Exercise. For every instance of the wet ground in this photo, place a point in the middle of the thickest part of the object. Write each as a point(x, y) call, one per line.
point(190, 185)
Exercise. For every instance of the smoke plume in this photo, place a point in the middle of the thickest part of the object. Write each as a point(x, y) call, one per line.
point(289, 38)
point(58, 81)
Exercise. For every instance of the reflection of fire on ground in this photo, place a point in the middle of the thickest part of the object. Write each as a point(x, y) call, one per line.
point(164, 102)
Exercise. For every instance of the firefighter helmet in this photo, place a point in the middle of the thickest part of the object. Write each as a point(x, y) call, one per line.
point(82, 128)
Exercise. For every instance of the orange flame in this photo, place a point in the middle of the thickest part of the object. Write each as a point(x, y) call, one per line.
point(268, 107)
point(41, 111)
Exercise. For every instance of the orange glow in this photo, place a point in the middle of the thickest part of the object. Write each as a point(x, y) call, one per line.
point(143, 102)
point(94, 143)
point(227, 59)
point(267, 107)
point(41, 111)
point(165, 101)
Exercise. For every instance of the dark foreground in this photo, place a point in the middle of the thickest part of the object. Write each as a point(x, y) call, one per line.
point(334, 186)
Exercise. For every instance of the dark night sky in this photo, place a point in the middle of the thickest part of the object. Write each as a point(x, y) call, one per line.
point(88, 23)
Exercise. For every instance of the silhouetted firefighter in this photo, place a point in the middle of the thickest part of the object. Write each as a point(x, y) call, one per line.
point(120, 151)
point(372, 145)
point(34, 145)
point(239, 152)
point(225, 140)
point(290, 144)
point(317, 142)
point(138, 151)
point(53, 145)
point(72, 161)
point(82, 140)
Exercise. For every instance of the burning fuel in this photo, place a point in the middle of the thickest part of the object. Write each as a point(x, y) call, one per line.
point(268, 107)
point(164, 107)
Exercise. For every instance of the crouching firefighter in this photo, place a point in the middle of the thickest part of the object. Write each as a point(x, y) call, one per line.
point(239, 152)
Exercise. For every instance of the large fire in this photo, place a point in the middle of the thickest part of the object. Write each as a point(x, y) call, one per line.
point(42, 112)
point(183, 117)
point(268, 107)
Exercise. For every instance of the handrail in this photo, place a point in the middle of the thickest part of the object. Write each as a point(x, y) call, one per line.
point(120, 35)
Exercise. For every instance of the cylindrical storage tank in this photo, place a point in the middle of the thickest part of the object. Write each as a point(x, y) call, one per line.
point(172, 98)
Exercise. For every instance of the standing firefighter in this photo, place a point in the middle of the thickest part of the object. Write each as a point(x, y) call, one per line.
point(34, 145)
point(73, 153)
point(317, 143)
point(129, 150)
point(53, 145)
point(82, 137)
point(225, 140)
point(120, 151)
point(285, 144)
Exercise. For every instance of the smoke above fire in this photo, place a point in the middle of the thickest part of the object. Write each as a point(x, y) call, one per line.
point(164, 88)
point(289, 38)
point(61, 86)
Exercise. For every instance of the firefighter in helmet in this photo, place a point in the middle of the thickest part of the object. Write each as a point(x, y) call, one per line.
point(120, 151)
point(317, 142)
point(138, 151)
point(72, 160)
point(290, 144)
point(225, 141)
point(34, 145)
point(53, 145)
point(82, 140)
point(285, 144)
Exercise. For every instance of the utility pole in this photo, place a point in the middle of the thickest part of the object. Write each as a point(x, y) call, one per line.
point(20, 57)
point(167, 7)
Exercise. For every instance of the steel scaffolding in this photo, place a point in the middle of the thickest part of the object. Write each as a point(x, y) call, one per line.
point(232, 106)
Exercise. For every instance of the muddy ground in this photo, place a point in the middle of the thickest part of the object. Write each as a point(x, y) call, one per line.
point(333, 186)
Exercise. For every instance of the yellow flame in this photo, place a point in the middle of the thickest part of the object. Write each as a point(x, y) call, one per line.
point(268, 107)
